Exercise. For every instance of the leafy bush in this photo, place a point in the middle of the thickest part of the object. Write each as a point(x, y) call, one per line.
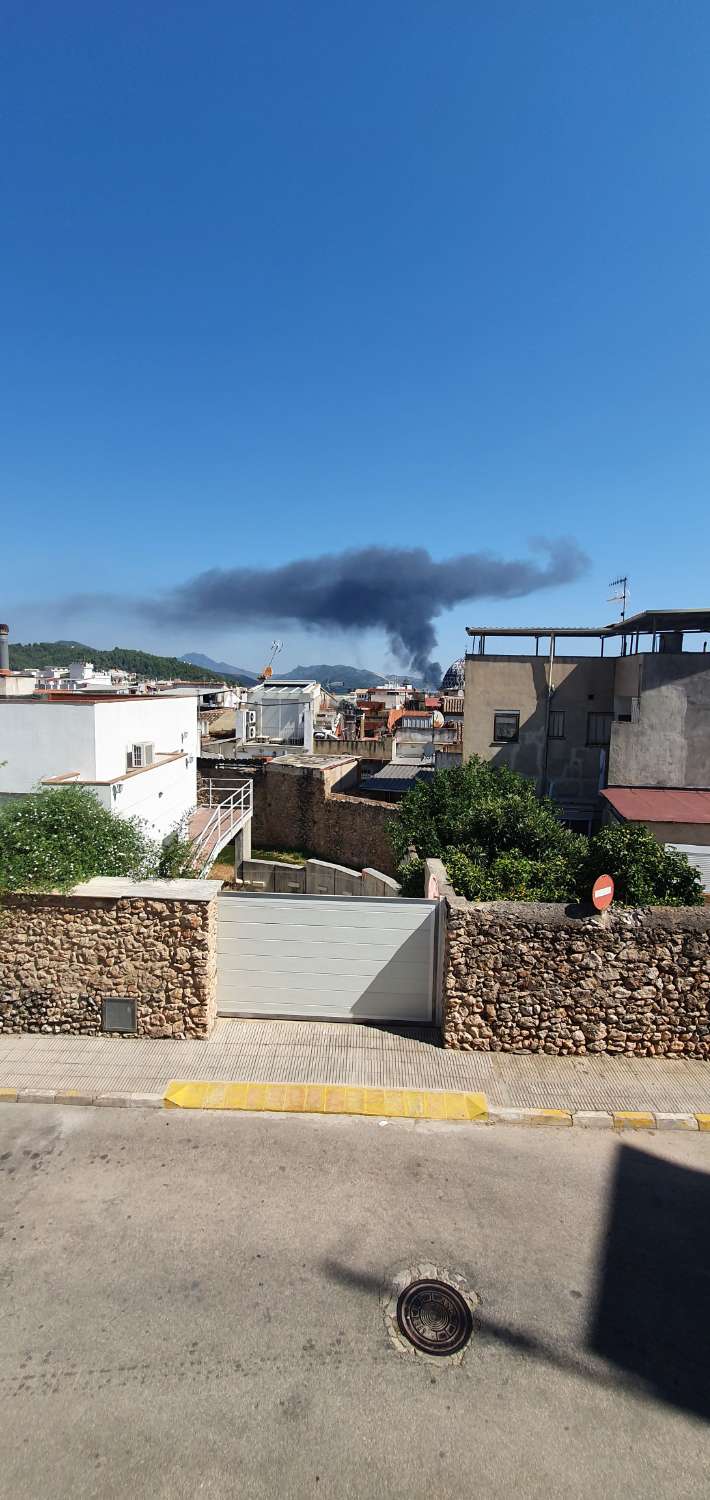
point(60, 836)
point(510, 877)
point(176, 857)
point(496, 837)
point(644, 873)
point(410, 874)
point(500, 841)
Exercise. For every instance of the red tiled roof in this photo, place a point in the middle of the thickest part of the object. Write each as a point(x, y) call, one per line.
point(660, 804)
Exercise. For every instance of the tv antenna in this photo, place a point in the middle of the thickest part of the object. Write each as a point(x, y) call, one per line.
point(622, 594)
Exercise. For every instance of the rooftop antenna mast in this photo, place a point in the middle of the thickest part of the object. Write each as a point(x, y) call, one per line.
point(622, 594)
point(620, 597)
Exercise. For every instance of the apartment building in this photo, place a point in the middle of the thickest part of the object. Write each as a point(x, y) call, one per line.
point(635, 714)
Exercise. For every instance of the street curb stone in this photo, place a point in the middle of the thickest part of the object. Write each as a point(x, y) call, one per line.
point(492, 1115)
point(592, 1119)
point(676, 1122)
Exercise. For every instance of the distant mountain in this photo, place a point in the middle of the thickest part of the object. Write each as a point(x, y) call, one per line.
point(349, 677)
point(37, 654)
point(222, 668)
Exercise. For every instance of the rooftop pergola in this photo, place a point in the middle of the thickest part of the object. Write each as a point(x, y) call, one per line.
point(653, 622)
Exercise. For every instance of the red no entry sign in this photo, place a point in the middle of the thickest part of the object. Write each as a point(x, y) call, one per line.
point(603, 892)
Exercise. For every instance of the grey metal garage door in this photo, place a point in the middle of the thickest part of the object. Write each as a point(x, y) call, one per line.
point(326, 957)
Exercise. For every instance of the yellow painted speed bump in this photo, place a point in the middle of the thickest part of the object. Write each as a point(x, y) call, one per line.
point(703, 1122)
point(326, 1099)
point(633, 1119)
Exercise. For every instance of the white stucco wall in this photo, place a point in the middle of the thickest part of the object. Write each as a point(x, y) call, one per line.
point(17, 684)
point(169, 723)
point(48, 739)
point(44, 739)
point(39, 740)
point(160, 796)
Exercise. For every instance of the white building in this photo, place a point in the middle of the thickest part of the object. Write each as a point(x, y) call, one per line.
point(16, 684)
point(391, 694)
point(209, 694)
point(50, 679)
point(280, 713)
point(138, 755)
point(83, 678)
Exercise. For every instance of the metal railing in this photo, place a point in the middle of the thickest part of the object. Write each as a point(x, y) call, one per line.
point(220, 790)
point(227, 817)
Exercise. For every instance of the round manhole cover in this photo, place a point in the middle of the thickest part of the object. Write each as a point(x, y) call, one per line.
point(434, 1317)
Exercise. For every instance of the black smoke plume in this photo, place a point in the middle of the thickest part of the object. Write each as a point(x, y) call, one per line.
point(397, 589)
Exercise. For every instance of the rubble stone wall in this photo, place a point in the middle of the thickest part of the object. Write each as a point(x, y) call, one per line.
point(523, 977)
point(61, 955)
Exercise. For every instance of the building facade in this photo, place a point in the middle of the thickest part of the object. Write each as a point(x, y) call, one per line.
point(576, 724)
point(137, 755)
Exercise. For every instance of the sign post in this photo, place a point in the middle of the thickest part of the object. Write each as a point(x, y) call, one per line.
point(603, 892)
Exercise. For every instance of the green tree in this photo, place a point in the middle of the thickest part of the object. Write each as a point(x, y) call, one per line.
point(60, 836)
point(500, 841)
point(496, 837)
point(644, 872)
point(37, 654)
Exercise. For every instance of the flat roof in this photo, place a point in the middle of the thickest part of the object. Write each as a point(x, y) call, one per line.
point(660, 804)
point(648, 622)
point(81, 699)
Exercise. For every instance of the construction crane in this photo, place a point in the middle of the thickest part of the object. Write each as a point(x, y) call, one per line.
point(268, 670)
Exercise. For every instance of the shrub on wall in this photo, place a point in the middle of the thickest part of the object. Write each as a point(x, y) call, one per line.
point(61, 836)
point(500, 841)
point(644, 872)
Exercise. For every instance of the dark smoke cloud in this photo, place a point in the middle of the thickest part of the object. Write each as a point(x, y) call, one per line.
point(397, 589)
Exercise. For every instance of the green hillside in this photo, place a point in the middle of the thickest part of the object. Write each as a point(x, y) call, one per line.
point(63, 653)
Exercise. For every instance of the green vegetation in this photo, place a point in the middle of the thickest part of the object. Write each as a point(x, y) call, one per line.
point(56, 838)
point(499, 841)
point(282, 856)
point(645, 874)
point(39, 654)
point(223, 867)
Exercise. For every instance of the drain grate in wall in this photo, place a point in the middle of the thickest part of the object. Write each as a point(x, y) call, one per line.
point(434, 1317)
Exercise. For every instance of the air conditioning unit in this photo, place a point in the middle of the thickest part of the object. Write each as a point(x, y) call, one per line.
point(251, 716)
point(251, 732)
point(139, 756)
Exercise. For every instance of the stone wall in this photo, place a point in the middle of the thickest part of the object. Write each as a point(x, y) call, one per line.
point(523, 977)
point(299, 804)
point(155, 941)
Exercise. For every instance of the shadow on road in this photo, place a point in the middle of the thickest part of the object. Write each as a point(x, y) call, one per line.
point(652, 1313)
point(649, 1328)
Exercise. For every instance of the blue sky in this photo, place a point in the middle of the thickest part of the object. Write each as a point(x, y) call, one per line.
point(281, 279)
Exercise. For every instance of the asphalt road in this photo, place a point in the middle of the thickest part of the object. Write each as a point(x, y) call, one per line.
point(191, 1307)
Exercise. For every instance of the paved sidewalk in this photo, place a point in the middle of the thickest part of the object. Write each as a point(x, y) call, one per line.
point(314, 1052)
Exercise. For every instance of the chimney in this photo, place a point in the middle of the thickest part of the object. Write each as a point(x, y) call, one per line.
point(4, 650)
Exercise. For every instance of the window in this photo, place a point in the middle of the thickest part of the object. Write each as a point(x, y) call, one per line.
point(138, 756)
point(557, 724)
point(506, 724)
point(598, 729)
